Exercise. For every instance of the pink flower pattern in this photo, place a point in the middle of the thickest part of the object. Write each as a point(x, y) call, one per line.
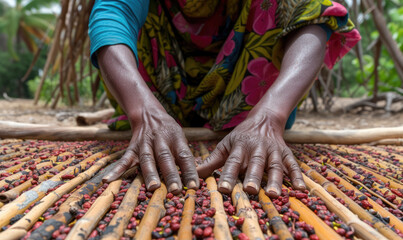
point(227, 49)
point(264, 73)
point(265, 15)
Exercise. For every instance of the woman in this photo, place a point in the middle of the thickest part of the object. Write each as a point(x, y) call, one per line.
point(222, 64)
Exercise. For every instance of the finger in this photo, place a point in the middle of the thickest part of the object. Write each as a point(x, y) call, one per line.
point(294, 171)
point(231, 169)
point(128, 160)
point(255, 170)
point(274, 174)
point(148, 167)
point(166, 164)
point(186, 162)
point(215, 160)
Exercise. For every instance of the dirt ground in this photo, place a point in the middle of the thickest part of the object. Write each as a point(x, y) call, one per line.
point(22, 110)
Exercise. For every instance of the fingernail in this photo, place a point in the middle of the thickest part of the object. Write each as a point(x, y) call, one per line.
point(272, 191)
point(300, 184)
point(152, 184)
point(173, 187)
point(192, 184)
point(224, 185)
point(251, 186)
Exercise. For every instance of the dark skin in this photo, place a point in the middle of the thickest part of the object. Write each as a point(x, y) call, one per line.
point(254, 147)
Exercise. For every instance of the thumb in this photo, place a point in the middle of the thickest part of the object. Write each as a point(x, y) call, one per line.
point(215, 160)
point(128, 160)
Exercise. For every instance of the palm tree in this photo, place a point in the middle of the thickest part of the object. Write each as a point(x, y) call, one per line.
point(26, 22)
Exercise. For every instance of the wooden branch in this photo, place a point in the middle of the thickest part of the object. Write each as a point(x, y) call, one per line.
point(321, 228)
point(153, 214)
point(35, 131)
point(84, 226)
point(362, 229)
point(185, 230)
point(221, 228)
point(90, 118)
point(353, 206)
point(251, 225)
point(279, 227)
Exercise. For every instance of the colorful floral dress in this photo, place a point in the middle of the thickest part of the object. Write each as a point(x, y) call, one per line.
point(209, 62)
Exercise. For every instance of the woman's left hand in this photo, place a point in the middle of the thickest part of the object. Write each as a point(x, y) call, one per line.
point(255, 146)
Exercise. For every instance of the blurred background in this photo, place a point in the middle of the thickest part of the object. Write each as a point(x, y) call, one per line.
point(45, 67)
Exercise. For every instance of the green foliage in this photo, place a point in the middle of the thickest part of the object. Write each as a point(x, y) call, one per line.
point(11, 73)
point(388, 77)
point(24, 23)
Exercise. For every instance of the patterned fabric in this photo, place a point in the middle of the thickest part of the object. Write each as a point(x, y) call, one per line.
point(209, 62)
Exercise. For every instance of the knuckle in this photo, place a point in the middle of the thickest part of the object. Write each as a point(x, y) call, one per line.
point(164, 156)
point(291, 164)
point(184, 154)
point(146, 158)
point(257, 159)
point(235, 160)
point(275, 165)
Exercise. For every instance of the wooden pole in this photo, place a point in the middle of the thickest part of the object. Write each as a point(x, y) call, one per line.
point(90, 118)
point(353, 206)
point(276, 222)
point(185, 230)
point(47, 132)
point(84, 226)
point(221, 228)
point(155, 211)
point(117, 225)
point(362, 229)
point(251, 225)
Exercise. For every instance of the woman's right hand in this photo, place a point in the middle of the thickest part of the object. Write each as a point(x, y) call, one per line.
point(157, 140)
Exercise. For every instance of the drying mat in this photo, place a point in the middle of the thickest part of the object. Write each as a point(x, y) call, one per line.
point(54, 190)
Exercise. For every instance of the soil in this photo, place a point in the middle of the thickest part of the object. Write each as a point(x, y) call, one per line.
point(23, 110)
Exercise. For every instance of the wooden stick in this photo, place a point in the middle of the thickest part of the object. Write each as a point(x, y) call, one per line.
point(66, 212)
point(352, 173)
point(84, 226)
point(155, 211)
point(362, 229)
point(353, 206)
point(383, 152)
point(34, 131)
point(221, 228)
point(118, 224)
point(251, 225)
point(90, 118)
point(20, 204)
point(390, 141)
point(185, 230)
point(321, 228)
point(276, 222)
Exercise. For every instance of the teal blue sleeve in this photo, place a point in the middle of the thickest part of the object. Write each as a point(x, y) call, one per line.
point(116, 22)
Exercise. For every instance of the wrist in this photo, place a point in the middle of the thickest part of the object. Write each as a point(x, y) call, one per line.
point(274, 116)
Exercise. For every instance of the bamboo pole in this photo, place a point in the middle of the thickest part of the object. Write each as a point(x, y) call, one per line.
point(382, 152)
point(392, 184)
point(352, 173)
point(90, 118)
point(377, 162)
point(34, 131)
point(389, 141)
point(251, 225)
point(276, 222)
point(221, 228)
point(84, 226)
point(66, 211)
point(185, 230)
point(20, 204)
point(353, 206)
point(155, 211)
point(117, 225)
point(322, 230)
point(362, 229)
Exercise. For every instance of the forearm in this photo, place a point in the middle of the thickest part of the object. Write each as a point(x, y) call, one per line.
point(121, 76)
point(303, 57)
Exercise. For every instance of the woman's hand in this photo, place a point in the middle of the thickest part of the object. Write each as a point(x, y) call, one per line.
point(254, 147)
point(159, 141)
